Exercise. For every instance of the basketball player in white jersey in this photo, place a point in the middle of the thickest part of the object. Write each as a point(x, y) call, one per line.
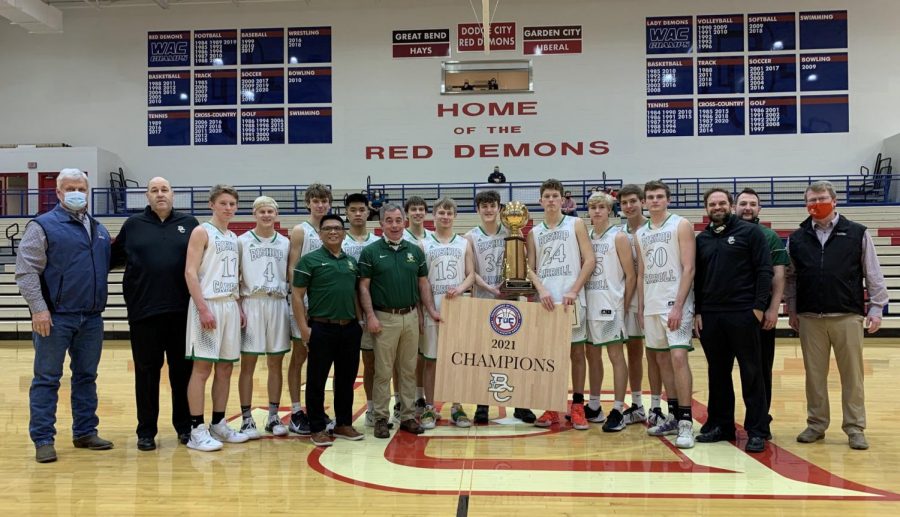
point(416, 211)
point(489, 250)
point(357, 238)
point(304, 238)
point(264, 289)
point(631, 200)
point(214, 319)
point(560, 251)
point(450, 273)
point(608, 291)
point(666, 251)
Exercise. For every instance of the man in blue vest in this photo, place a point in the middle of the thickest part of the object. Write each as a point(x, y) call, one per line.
point(833, 261)
point(61, 270)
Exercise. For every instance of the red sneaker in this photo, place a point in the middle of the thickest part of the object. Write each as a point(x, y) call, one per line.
point(548, 418)
point(579, 421)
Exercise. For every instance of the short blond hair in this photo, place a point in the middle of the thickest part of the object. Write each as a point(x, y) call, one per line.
point(446, 202)
point(264, 201)
point(601, 198)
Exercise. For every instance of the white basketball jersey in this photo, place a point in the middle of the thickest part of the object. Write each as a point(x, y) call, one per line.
point(409, 237)
point(605, 289)
point(311, 240)
point(662, 266)
point(219, 266)
point(353, 247)
point(446, 266)
point(558, 257)
point(634, 299)
point(490, 251)
point(264, 265)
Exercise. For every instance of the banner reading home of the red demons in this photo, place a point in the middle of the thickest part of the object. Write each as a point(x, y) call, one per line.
point(471, 39)
point(558, 39)
point(421, 43)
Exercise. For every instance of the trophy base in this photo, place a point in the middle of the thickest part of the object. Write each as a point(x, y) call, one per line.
point(513, 289)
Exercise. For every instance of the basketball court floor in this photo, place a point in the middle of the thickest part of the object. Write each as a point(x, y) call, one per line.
point(504, 468)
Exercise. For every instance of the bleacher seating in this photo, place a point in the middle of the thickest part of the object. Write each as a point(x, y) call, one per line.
point(883, 222)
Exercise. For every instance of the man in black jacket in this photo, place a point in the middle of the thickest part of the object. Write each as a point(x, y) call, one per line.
point(153, 246)
point(732, 289)
point(833, 262)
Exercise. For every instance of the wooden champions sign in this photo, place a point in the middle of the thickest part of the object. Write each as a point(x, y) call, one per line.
point(503, 353)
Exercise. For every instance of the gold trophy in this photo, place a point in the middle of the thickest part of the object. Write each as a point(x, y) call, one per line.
point(514, 217)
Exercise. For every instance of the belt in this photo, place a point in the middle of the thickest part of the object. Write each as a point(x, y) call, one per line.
point(331, 321)
point(403, 310)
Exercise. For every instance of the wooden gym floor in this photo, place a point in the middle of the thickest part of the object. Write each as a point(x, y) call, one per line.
point(500, 469)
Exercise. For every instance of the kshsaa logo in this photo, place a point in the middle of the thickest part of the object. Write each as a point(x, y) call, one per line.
point(506, 319)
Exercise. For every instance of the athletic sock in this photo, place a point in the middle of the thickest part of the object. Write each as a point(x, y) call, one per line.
point(684, 413)
point(420, 392)
point(578, 398)
point(246, 414)
point(218, 416)
point(673, 407)
point(370, 406)
point(296, 407)
point(655, 400)
point(636, 398)
point(594, 402)
point(196, 421)
point(617, 405)
point(273, 408)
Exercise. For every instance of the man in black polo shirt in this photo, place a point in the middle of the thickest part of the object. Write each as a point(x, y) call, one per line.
point(331, 329)
point(731, 292)
point(394, 277)
point(152, 246)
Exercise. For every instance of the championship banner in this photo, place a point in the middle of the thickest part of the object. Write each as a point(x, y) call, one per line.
point(503, 353)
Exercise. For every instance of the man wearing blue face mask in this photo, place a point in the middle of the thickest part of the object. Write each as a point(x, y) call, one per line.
point(61, 270)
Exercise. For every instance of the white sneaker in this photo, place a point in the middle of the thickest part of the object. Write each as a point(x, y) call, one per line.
point(370, 419)
point(275, 426)
point(667, 427)
point(248, 427)
point(225, 434)
point(202, 441)
point(428, 419)
point(685, 439)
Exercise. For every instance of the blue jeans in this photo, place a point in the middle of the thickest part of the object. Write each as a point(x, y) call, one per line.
point(81, 335)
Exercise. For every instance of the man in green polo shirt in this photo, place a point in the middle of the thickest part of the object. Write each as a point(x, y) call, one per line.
point(330, 328)
point(747, 208)
point(393, 279)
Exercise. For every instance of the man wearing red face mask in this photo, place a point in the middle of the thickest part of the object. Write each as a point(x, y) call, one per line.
point(832, 261)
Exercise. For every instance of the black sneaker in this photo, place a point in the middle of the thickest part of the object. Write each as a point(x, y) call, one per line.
point(299, 423)
point(525, 415)
point(481, 415)
point(614, 422)
point(594, 415)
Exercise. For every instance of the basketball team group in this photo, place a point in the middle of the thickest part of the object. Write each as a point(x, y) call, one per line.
point(201, 299)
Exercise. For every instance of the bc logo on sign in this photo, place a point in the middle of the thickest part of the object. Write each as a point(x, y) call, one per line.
point(506, 319)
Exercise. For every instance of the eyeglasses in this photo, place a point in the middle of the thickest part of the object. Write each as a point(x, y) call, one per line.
point(332, 229)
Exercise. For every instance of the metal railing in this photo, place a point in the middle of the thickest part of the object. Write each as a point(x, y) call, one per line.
point(852, 189)
point(783, 190)
point(195, 200)
point(527, 192)
point(26, 202)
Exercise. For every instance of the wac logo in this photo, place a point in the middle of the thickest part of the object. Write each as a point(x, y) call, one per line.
point(525, 460)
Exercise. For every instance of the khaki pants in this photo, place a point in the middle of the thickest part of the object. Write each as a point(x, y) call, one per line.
point(397, 342)
point(817, 337)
